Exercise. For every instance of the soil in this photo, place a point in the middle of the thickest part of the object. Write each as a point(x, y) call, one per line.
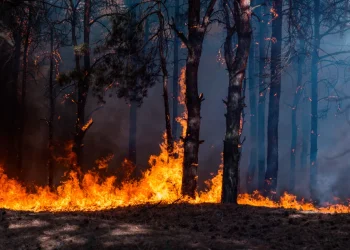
point(177, 226)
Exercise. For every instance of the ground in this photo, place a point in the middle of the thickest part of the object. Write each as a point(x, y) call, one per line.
point(177, 226)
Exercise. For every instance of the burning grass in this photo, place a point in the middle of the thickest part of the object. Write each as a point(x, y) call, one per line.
point(160, 184)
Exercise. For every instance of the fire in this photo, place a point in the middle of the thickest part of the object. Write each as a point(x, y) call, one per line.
point(160, 183)
point(87, 125)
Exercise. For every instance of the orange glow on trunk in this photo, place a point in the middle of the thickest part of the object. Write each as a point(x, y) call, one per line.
point(161, 183)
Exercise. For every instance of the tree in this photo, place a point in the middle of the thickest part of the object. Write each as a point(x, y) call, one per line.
point(81, 126)
point(162, 47)
point(176, 73)
point(197, 29)
point(253, 114)
point(261, 101)
point(298, 15)
point(22, 114)
point(236, 66)
point(274, 100)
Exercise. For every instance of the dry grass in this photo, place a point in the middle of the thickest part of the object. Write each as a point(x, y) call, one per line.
point(178, 226)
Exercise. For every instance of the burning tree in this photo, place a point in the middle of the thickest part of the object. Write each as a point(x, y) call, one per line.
point(236, 66)
point(197, 28)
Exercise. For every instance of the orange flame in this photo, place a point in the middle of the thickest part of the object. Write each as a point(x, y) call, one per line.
point(161, 183)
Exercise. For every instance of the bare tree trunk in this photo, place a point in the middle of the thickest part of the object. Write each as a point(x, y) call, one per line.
point(83, 88)
point(51, 162)
point(314, 100)
point(253, 117)
point(305, 136)
point(261, 101)
point(274, 100)
point(236, 67)
point(194, 43)
point(23, 97)
point(296, 101)
point(176, 75)
point(162, 52)
point(76, 143)
point(132, 132)
point(13, 150)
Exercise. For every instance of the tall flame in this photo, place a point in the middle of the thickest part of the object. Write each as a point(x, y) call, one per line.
point(161, 183)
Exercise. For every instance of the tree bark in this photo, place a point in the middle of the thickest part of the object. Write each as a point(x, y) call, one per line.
point(274, 100)
point(162, 44)
point(296, 101)
point(83, 87)
point(51, 161)
point(236, 67)
point(132, 132)
point(23, 97)
point(261, 101)
point(13, 130)
point(253, 117)
point(314, 101)
point(194, 43)
point(176, 75)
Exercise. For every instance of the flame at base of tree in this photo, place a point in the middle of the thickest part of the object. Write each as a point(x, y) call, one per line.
point(161, 183)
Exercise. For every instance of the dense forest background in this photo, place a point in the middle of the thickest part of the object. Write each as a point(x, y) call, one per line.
point(109, 133)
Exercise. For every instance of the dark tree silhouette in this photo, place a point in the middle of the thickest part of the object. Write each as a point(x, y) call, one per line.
point(274, 101)
point(236, 66)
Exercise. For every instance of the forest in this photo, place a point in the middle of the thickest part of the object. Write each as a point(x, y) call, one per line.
point(168, 124)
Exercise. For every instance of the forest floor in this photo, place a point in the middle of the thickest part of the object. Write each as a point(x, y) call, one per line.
point(177, 226)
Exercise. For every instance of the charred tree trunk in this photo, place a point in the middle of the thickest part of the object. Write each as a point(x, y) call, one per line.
point(261, 101)
point(132, 131)
point(236, 67)
point(76, 142)
point(296, 100)
point(83, 88)
point(162, 52)
point(306, 136)
point(176, 76)
point(314, 100)
point(51, 162)
point(22, 112)
point(194, 43)
point(253, 118)
point(13, 150)
point(274, 100)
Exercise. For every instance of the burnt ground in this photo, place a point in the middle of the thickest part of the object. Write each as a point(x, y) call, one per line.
point(178, 226)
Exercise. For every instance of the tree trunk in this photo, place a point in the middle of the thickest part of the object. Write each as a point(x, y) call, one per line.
point(162, 52)
point(314, 100)
point(274, 100)
point(261, 103)
point(132, 132)
point(306, 136)
point(23, 98)
point(13, 150)
point(236, 67)
point(83, 87)
point(191, 141)
point(51, 162)
point(194, 43)
point(296, 101)
point(176, 75)
point(253, 118)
